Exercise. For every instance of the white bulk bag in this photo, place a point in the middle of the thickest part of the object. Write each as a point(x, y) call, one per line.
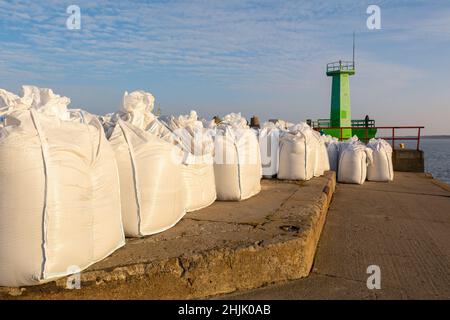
point(333, 156)
point(353, 161)
point(269, 138)
point(60, 201)
point(298, 152)
point(332, 145)
point(8, 100)
point(199, 181)
point(381, 168)
point(322, 163)
point(137, 108)
point(159, 129)
point(348, 143)
point(197, 145)
point(150, 170)
point(237, 160)
point(197, 171)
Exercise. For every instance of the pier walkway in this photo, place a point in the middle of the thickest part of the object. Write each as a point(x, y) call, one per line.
point(403, 227)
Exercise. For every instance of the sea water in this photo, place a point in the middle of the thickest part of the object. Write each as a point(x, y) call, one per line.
point(437, 157)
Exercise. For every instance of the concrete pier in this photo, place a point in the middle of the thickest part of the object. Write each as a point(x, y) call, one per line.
point(403, 227)
point(227, 247)
point(265, 247)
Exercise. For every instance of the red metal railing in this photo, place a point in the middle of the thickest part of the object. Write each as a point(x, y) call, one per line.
point(391, 138)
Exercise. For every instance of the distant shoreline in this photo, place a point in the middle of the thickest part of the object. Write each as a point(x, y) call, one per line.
point(425, 137)
point(436, 137)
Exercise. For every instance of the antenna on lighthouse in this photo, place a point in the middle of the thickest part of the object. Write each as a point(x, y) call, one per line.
point(353, 49)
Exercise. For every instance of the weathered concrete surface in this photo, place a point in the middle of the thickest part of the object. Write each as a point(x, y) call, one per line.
point(407, 160)
point(403, 227)
point(226, 247)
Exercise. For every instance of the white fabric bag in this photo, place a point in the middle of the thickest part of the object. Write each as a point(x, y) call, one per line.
point(353, 161)
point(199, 181)
point(197, 145)
point(60, 202)
point(137, 108)
point(381, 169)
point(322, 161)
point(269, 141)
point(150, 170)
point(332, 145)
point(8, 100)
point(298, 153)
point(237, 163)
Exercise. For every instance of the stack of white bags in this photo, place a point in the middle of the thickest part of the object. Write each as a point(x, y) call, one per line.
point(358, 162)
point(297, 152)
point(90, 181)
point(302, 153)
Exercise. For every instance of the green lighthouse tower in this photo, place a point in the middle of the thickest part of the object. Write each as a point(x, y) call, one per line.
point(340, 115)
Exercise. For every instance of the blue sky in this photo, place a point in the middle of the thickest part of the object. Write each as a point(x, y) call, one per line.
point(264, 57)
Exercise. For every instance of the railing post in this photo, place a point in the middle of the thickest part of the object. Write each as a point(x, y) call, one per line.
point(367, 135)
point(393, 138)
point(341, 138)
point(418, 139)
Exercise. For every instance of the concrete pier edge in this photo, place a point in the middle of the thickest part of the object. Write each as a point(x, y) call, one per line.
point(439, 183)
